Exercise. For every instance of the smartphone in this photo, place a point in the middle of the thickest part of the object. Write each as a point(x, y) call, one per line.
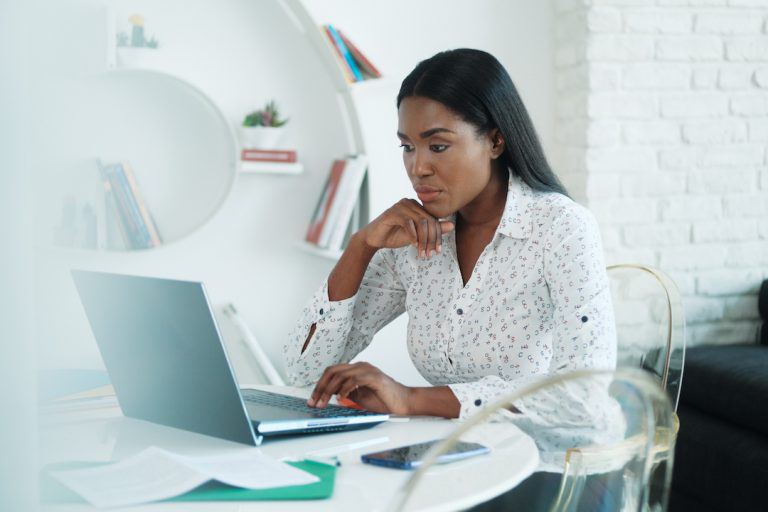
point(411, 456)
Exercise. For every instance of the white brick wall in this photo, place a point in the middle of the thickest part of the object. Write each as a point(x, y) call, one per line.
point(663, 134)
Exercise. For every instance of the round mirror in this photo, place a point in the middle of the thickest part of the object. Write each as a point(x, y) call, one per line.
point(176, 142)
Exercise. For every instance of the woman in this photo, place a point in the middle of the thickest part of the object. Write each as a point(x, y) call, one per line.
point(501, 273)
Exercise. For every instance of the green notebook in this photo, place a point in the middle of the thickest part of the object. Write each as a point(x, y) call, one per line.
point(53, 491)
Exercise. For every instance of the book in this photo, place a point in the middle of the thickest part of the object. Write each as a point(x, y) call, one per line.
point(95, 201)
point(134, 238)
point(134, 219)
point(347, 198)
point(148, 221)
point(117, 236)
point(348, 74)
point(362, 61)
point(338, 202)
point(344, 51)
point(268, 155)
point(359, 214)
point(144, 240)
point(320, 218)
point(313, 232)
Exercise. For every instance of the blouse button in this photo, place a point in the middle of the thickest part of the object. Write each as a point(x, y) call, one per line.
point(584, 318)
point(321, 311)
point(478, 402)
point(459, 311)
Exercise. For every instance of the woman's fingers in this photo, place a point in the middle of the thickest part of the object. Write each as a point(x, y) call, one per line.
point(414, 232)
point(433, 230)
point(336, 384)
point(322, 386)
point(446, 226)
point(424, 237)
point(419, 228)
point(348, 387)
point(438, 237)
point(334, 379)
point(370, 388)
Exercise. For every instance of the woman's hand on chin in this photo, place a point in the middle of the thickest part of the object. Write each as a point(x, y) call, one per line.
point(364, 384)
point(407, 223)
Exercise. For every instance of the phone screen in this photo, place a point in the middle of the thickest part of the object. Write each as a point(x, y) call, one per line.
point(406, 457)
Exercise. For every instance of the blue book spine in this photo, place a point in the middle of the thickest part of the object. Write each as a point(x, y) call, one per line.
point(345, 52)
point(130, 229)
point(145, 240)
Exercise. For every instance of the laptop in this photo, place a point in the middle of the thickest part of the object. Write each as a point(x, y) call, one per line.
point(164, 355)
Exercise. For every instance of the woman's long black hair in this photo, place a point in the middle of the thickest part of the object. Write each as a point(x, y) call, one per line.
point(476, 86)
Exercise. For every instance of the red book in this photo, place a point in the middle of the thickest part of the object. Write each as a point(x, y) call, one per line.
point(326, 201)
point(361, 59)
point(268, 155)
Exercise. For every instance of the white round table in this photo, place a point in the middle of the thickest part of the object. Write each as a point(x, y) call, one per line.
point(104, 434)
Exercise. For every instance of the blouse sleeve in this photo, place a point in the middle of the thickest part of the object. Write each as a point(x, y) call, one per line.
point(584, 334)
point(344, 328)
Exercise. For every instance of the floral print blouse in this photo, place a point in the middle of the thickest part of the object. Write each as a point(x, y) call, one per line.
point(537, 303)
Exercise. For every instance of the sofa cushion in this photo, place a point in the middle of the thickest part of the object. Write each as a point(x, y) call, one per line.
point(729, 382)
point(723, 466)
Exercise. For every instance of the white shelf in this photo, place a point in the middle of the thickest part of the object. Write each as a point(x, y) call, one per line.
point(249, 167)
point(319, 251)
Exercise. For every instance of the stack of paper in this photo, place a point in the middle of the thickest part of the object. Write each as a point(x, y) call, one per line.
point(155, 474)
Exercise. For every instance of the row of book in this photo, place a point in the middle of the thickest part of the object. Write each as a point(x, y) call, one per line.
point(125, 207)
point(355, 65)
point(341, 208)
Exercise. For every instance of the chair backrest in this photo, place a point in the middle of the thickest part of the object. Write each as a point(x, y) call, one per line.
point(607, 443)
point(650, 323)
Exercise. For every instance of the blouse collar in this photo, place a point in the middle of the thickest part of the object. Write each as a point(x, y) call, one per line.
point(517, 219)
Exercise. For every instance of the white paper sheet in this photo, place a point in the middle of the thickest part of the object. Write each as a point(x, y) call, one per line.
point(156, 474)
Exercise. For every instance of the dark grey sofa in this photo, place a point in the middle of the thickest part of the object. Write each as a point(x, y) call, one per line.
point(721, 457)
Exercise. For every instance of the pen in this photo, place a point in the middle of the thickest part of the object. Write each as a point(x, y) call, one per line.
point(328, 461)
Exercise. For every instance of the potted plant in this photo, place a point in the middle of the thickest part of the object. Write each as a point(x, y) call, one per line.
point(135, 49)
point(263, 128)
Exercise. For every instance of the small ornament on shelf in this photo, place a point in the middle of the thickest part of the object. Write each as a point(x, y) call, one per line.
point(134, 48)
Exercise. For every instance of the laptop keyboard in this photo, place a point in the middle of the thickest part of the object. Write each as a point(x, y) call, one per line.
point(299, 404)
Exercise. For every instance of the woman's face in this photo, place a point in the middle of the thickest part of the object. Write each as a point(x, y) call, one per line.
point(449, 165)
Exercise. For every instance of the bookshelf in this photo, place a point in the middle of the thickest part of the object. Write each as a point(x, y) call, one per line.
point(366, 107)
point(162, 169)
point(172, 136)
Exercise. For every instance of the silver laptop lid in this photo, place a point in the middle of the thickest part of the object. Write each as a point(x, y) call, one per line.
point(163, 352)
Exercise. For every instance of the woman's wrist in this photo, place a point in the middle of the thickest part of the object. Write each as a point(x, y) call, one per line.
point(347, 275)
point(433, 401)
point(358, 243)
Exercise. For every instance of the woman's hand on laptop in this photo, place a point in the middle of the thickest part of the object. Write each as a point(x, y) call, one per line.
point(364, 384)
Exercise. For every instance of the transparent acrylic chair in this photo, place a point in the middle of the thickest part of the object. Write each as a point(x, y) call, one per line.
point(650, 323)
point(603, 446)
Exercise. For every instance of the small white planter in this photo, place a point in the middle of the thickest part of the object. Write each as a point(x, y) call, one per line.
point(261, 137)
point(139, 57)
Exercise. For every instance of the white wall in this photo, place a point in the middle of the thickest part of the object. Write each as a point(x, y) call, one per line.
point(663, 129)
point(241, 53)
